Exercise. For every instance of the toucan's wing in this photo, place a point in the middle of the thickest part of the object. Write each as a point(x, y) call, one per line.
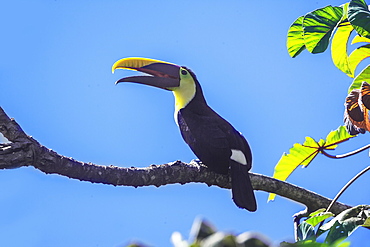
point(207, 140)
point(215, 143)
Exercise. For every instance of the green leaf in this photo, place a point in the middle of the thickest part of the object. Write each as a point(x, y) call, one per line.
point(321, 210)
point(339, 43)
point(318, 26)
point(306, 231)
point(339, 48)
point(345, 11)
point(363, 76)
point(359, 17)
point(366, 223)
point(337, 136)
point(295, 41)
point(201, 229)
point(220, 239)
point(345, 223)
point(358, 55)
point(359, 39)
point(313, 221)
point(311, 243)
point(298, 155)
point(248, 239)
point(339, 231)
point(303, 154)
point(344, 244)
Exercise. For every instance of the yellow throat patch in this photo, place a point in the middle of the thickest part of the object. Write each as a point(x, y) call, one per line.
point(185, 92)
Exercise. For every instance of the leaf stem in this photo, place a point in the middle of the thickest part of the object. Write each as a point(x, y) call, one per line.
point(346, 186)
point(340, 156)
point(342, 191)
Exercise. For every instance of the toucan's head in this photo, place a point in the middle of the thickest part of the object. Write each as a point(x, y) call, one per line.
point(180, 80)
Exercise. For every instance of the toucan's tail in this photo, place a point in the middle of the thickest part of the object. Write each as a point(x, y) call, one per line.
point(241, 187)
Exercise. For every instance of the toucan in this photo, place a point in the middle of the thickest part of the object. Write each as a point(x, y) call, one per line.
point(216, 143)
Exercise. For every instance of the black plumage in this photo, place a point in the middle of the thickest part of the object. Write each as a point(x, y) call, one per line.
point(212, 140)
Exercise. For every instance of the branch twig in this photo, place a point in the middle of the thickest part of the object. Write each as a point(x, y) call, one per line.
point(23, 150)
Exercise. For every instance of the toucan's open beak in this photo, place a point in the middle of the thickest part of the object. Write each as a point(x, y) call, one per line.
point(163, 75)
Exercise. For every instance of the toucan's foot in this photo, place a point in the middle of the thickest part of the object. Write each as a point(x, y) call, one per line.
point(198, 161)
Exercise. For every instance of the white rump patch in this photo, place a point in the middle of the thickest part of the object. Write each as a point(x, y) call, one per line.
point(238, 156)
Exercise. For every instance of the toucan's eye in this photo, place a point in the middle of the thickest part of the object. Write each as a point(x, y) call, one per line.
point(184, 72)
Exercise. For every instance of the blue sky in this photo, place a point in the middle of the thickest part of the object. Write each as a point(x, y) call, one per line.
point(56, 81)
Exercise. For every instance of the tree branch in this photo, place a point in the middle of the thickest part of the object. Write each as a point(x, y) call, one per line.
point(23, 150)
